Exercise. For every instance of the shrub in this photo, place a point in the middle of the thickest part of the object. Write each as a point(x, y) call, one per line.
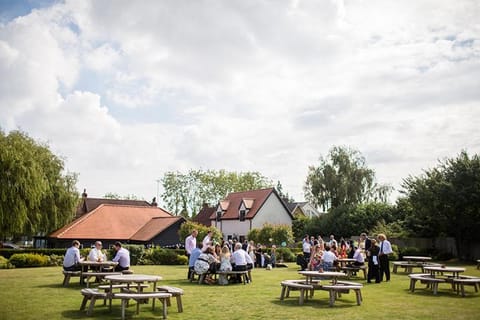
point(5, 264)
point(286, 255)
point(26, 260)
point(163, 256)
point(55, 260)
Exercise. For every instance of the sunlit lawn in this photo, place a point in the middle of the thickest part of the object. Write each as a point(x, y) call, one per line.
point(37, 293)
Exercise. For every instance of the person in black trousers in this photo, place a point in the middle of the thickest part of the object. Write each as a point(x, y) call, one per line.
point(385, 250)
point(373, 262)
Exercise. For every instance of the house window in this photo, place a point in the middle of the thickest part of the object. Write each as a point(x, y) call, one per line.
point(242, 215)
point(219, 215)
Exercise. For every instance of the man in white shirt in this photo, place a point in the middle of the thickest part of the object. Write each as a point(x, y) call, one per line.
point(328, 259)
point(385, 250)
point(239, 260)
point(207, 241)
point(72, 257)
point(358, 256)
point(191, 242)
point(122, 257)
point(96, 253)
point(306, 247)
point(332, 241)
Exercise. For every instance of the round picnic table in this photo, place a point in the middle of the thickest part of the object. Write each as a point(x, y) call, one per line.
point(343, 261)
point(417, 258)
point(454, 270)
point(136, 280)
point(324, 275)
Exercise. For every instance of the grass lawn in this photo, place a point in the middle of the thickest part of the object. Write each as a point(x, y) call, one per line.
point(37, 293)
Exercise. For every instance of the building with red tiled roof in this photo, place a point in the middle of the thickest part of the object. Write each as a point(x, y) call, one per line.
point(203, 217)
point(126, 223)
point(243, 211)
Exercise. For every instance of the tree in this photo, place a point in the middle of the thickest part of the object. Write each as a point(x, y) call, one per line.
point(116, 196)
point(445, 200)
point(185, 193)
point(36, 196)
point(342, 178)
point(283, 195)
point(271, 234)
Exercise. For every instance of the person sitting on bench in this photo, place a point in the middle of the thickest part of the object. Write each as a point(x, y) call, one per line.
point(122, 257)
point(72, 259)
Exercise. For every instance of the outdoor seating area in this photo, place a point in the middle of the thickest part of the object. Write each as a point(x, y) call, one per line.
point(325, 281)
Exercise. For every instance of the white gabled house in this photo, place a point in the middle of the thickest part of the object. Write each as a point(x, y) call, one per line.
point(241, 212)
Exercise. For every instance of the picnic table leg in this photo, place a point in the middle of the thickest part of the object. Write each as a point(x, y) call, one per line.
point(359, 296)
point(164, 303)
point(282, 294)
point(123, 308)
point(332, 297)
point(302, 294)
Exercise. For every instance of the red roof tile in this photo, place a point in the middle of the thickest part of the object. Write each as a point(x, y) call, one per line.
point(109, 221)
point(90, 204)
point(154, 227)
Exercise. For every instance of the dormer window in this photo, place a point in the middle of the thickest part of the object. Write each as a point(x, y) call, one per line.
point(219, 215)
point(242, 215)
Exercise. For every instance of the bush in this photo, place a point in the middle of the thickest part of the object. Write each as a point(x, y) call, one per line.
point(5, 264)
point(55, 260)
point(26, 260)
point(163, 256)
point(394, 255)
point(286, 255)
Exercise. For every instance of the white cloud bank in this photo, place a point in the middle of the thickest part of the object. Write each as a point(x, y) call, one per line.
point(127, 90)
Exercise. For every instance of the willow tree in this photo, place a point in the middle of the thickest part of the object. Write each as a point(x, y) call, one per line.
point(343, 178)
point(36, 195)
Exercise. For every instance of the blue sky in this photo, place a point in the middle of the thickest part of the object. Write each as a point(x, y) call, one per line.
point(128, 90)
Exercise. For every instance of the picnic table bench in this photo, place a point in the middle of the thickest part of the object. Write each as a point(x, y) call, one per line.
point(142, 296)
point(351, 270)
point(175, 292)
point(299, 285)
point(201, 277)
point(460, 283)
point(68, 274)
point(425, 278)
point(339, 288)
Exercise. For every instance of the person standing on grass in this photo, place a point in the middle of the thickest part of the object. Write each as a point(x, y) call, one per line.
point(372, 254)
point(122, 257)
point(385, 250)
point(306, 247)
point(72, 259)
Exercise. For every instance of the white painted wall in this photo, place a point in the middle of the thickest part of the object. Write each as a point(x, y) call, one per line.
point(310, 210)
point(272, 212)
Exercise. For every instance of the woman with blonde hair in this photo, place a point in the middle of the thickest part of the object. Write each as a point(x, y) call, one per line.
point(225, 265)
point(315, 263)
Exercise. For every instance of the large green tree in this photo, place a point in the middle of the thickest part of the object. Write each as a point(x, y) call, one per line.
point(343, 178)
point(445, 200)
point(36, 195)
point(185, 193)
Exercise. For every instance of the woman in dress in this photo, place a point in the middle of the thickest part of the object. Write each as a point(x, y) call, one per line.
point(204, 262)
point(225, 265)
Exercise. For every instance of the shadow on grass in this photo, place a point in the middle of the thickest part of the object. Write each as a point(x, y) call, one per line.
point(104, 313)
point(316, 303)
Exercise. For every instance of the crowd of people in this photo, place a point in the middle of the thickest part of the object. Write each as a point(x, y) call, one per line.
point(322, 255)
point(208, 257)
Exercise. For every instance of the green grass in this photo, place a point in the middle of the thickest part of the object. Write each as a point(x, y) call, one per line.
point(37, 293)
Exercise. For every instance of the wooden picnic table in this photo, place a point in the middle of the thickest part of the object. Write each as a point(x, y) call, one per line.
point(421, 259)
point(329, 275)
point(343, 261)
point(434, 271)
point(97, 268)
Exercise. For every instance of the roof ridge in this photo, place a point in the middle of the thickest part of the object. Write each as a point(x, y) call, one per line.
point(80, 220)
point(264, 189)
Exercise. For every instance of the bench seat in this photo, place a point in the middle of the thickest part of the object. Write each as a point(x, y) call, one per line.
point(175, 292)
point(288, 285)
point(350, 270)
point(425, 278)
point(93, 295)
point(162, 296)
point(68, 274)
point(338, 289)
point(460, 283)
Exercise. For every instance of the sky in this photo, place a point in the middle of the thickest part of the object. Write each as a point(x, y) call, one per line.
point(127, 90)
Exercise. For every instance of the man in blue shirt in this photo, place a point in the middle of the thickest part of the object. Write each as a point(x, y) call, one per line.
point(193, 257)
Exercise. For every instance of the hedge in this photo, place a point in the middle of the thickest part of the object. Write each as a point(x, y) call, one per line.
point(27, 260)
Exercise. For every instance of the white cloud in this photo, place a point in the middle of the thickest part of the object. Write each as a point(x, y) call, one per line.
point(128, 90)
